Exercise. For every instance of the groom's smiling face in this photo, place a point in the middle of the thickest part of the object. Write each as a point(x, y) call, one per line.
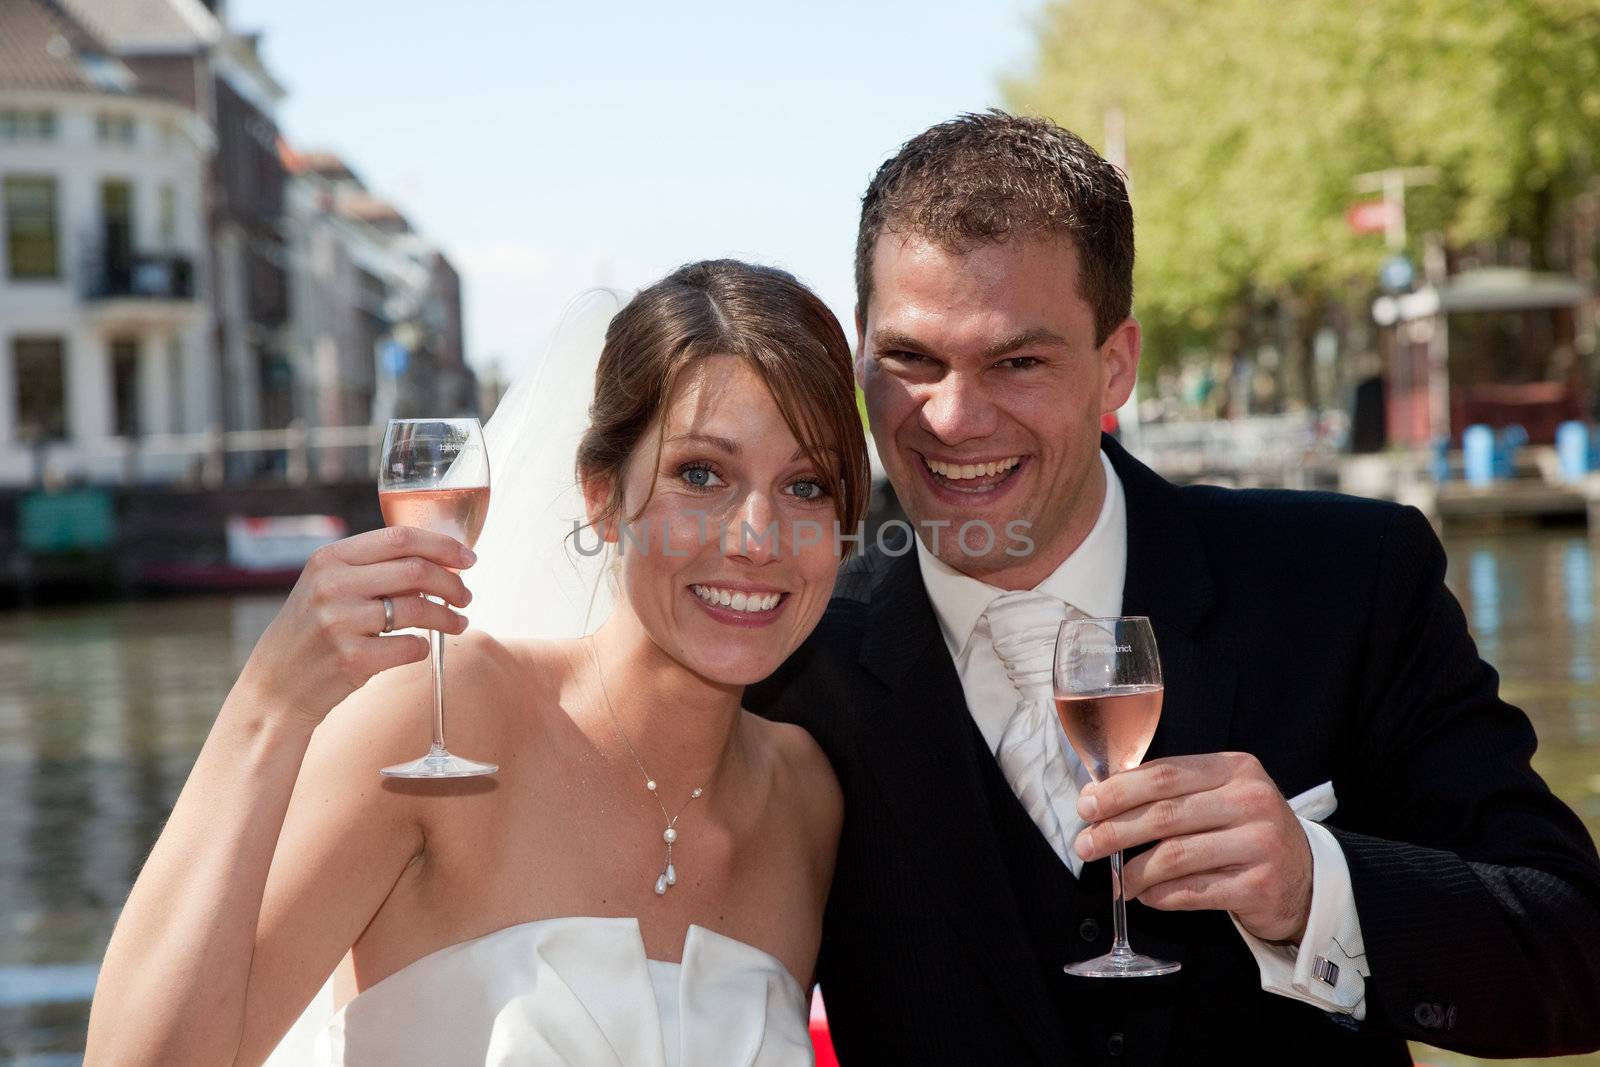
point(984, 387)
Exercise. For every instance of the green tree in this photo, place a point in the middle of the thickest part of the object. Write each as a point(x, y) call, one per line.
point(1246, 122)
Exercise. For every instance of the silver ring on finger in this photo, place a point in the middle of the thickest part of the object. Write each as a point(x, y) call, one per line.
point(388, 615)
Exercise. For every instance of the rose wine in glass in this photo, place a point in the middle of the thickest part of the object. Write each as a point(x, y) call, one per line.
point(435, 475)
point(1107, 679)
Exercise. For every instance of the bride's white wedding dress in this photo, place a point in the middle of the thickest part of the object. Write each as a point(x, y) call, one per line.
point(570, 991)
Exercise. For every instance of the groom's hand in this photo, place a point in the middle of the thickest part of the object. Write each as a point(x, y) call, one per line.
point(1225, 839)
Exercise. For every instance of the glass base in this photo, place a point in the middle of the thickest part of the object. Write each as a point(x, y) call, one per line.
point(439, 764)
point(1122, 965)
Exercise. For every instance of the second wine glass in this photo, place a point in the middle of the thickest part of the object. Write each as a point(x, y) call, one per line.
point(435, 475)
point(1108, 691)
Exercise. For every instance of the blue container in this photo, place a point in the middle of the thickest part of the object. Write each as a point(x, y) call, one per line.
point(1507, 441)
point(1572, 450)
point(1477, 454)
point(1439, 459)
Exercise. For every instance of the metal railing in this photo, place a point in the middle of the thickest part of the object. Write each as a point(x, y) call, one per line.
point(154, 277)
point(294, 455)
point(1271, 449)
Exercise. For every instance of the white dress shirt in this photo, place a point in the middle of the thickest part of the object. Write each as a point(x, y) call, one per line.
point(1091, 580)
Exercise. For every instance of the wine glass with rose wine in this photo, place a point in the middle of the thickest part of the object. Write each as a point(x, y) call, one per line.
point(435, 475)
point(1107, 681)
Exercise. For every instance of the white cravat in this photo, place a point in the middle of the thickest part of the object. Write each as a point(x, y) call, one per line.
point(1039, 767)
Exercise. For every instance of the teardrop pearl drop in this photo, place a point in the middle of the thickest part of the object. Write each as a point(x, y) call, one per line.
point(661, 886)
point(672, 875)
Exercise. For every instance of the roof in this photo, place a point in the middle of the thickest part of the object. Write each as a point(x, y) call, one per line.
point(43, 47)
point(328, 165)
point(1485, 289)
point(377, 213)
point(148, 25)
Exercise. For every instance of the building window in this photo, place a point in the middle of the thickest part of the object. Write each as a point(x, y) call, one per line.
point(27, 125)
point(116, 236)
point(31, 242)
point(176, 415)
point(169, 217)
point(125, 385)
point(115, 129)
point(41, 389)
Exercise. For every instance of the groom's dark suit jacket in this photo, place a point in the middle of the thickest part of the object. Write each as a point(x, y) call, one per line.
point(1310, 629)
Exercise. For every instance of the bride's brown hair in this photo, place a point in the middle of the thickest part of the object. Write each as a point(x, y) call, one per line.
point(723, 307)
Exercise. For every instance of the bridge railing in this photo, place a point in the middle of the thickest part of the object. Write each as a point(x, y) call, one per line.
point(1261, 450)
point(294, 455)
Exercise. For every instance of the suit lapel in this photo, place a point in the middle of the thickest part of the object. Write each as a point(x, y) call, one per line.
point(924, 759)
point(1169, 579)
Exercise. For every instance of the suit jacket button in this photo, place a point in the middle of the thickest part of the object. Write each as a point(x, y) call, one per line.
point(1114, 1044)
point(1089, 930)
point(1428, 1016)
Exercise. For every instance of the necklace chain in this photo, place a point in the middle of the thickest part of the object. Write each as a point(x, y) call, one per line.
point(669, 873)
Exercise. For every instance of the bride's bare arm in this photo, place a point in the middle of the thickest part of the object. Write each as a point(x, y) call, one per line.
point(182, 973)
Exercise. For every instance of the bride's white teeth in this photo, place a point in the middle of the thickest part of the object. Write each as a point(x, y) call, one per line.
point(738, 601)
point(964, 471)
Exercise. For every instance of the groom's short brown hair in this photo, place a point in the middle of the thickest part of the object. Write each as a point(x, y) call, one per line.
point(994, 176)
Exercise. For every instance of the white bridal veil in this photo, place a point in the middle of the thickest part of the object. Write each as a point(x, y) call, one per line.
point(533, 578)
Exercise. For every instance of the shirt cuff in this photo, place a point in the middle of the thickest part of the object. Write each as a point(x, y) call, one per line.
point(1328, 969)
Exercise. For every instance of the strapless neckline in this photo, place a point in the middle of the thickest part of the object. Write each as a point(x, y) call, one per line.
point(576, 990)
point(624, 921)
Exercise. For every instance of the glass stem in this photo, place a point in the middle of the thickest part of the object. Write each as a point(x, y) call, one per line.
point(1119, 910)
point(436, 651)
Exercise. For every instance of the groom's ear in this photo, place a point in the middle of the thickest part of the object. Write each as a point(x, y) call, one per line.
point(1119, 362)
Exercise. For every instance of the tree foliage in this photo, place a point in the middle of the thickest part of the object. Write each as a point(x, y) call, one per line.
point(1247, 120)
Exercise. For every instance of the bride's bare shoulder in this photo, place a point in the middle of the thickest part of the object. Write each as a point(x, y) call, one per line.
point(803, 780)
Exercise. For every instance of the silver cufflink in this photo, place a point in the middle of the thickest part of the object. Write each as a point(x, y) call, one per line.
point(1325, 969)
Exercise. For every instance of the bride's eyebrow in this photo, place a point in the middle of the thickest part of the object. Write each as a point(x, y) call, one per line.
point(722, 444)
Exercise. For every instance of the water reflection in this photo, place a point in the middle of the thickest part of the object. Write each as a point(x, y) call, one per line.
point(102, 710)
point(1529, 598)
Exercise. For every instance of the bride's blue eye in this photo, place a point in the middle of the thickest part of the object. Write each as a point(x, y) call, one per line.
point(699, 476)
point(815, 489)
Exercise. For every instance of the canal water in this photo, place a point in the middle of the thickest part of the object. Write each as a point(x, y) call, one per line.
point(103, 708)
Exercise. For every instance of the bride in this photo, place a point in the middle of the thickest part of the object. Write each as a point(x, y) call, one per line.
point(643, 880)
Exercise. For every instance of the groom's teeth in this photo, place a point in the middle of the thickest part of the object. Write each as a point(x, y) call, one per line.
point(964, 471)
point(738, 601)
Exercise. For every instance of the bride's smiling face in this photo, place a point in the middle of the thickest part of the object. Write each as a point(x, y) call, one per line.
point(729, 557)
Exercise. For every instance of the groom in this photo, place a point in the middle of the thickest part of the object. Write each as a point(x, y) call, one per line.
point(1420, 883)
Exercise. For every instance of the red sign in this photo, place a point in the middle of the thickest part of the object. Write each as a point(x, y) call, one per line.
point(1372, 216)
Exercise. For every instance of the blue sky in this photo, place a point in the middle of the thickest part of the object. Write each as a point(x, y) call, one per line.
point(550, 146)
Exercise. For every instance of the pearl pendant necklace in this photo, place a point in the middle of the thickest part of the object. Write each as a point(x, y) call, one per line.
point(669, 873)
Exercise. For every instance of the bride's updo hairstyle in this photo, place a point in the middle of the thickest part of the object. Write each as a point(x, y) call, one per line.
point(723, 307)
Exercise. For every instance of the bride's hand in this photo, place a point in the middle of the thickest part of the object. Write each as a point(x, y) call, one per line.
point(328, 640)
